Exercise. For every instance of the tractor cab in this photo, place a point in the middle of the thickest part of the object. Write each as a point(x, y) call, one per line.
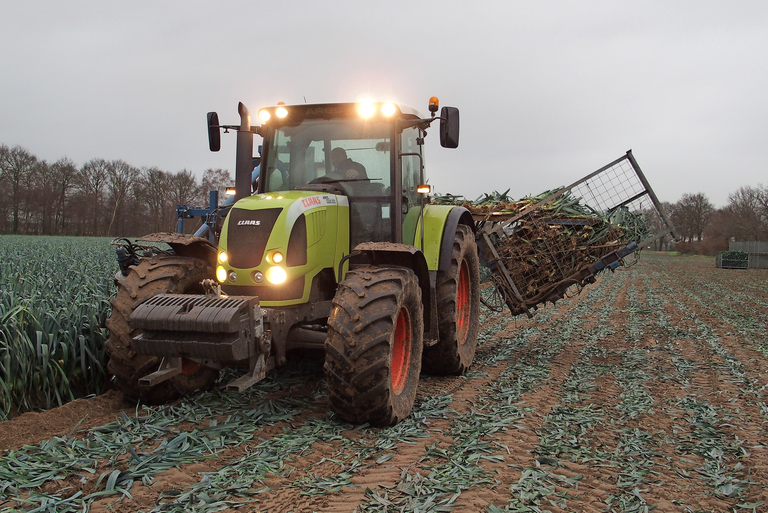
point(369, 152)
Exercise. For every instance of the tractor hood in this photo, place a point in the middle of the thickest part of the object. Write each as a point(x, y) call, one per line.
point(273, 244)
point(294, 203)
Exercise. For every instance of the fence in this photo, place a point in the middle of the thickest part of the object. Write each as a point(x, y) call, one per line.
point(757, 251)
point(732, 260)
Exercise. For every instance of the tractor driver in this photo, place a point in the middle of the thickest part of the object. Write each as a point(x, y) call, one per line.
point(345, 167)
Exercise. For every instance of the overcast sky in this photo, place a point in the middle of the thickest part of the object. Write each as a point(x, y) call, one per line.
point(548, 91)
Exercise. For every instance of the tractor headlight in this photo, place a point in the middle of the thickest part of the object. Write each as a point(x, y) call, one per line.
point(366, 109)
point(221, 274)
point(222, 257)
point(276, 275)
point(274, 257)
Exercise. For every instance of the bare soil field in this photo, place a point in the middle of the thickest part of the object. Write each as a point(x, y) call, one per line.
point(647, 390)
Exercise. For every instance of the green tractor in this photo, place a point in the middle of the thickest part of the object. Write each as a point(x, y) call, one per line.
point(337, 249)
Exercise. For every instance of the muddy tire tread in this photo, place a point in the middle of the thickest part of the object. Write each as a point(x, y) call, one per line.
point(357, 361)
point(448, 357)
point(152, 276)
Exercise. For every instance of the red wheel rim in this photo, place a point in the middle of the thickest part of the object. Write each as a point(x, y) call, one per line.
point(189, 367)
point(463, 308)
point(401, 351)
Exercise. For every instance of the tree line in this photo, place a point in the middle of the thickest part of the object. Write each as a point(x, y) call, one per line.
point(705, 229)
point(100, 198)
point(113, 198)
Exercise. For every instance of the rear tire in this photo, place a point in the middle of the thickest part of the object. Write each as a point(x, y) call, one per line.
point(373, 350)
point(458, 309)
point(152, 276)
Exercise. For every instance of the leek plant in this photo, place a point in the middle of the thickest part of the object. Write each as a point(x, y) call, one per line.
point(54, 300)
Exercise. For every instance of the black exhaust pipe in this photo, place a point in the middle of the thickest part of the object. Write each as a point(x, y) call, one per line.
point(244, 164)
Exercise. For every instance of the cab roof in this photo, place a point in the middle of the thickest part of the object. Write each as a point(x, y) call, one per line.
point(339, 110)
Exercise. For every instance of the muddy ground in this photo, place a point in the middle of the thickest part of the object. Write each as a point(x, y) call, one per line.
point(647, 390)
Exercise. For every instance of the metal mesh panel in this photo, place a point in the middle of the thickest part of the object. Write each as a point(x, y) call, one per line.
point(618, 185)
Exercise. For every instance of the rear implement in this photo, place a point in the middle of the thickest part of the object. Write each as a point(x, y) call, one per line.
point(538, 253)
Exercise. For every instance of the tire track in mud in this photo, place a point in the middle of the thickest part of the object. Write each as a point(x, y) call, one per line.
point(637, 452)
point(745, 281)
point(717, 400)
point(288, 493)
point(745, 313)
point(562, 476)
point(509, 368)
point(648, 378)
point(412, 467)
point(709, 326)
point(645, 453)
point(554, 354)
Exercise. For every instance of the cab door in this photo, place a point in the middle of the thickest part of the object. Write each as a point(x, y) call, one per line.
point(411, 164)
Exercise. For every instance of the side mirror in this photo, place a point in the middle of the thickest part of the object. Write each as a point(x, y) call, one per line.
point(214, 134)
point(449, 127)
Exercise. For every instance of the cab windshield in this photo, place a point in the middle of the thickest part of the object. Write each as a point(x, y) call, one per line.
point(354, 153)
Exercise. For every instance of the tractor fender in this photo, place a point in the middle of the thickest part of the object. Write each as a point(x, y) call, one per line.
point(457, 216)
point(186, 245)
point(440, 222)
point(404, 255)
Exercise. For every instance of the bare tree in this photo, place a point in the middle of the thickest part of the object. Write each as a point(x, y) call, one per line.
point(155, 192)
point(656, 224)
point(748, 213)
point(691, 214)
point(5, 203)
point(217, 180)
point(184, 188)
point(120, 177)
point(63, 178)
point(40, 199)
point(16, 164)
point(137, 222)
point(101, 197)
point(719, 232)
point(762, 199)
point(92, 179)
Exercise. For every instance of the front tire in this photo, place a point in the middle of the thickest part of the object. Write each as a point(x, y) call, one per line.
point(152, 276)
point(458, 309)
point(374, 345)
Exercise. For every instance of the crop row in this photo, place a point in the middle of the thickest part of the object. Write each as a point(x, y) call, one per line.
point(54, 300)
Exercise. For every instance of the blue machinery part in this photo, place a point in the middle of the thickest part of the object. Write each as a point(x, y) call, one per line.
point(128, 254)
point(612, 260)
point(209, 216)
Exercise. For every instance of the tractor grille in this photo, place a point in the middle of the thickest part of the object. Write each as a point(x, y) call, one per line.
point(315, 224)
point(247, 235)
point(297, 244)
